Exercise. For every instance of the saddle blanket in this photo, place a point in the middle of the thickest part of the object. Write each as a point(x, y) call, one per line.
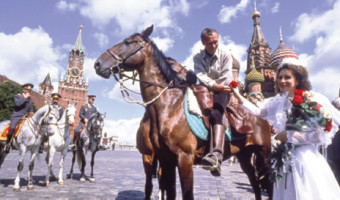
point(4, 132)
point(197, 126)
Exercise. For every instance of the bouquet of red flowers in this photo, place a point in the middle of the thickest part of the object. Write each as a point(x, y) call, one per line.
point(307, 115)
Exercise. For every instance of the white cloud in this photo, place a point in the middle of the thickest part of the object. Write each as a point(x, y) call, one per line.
point(228, 12)
point(324, 61)
point(102, 39)
point(163, 43)
point(64, 6)
point(136, 17)
point(125, 130)
point(316, 24)
point(28, 56)
point(276, 7)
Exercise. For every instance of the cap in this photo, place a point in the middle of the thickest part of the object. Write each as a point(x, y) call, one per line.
point(56, 96)
point(89, 96)
point(27, 86)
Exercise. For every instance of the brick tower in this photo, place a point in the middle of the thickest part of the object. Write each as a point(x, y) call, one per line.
point(73, 88)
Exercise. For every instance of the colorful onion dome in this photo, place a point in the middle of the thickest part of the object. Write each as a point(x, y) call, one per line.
point(254, 76)
point(282, 52)
point(236, 64)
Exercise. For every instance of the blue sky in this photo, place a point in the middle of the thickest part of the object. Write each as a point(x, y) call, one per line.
point(36, 37)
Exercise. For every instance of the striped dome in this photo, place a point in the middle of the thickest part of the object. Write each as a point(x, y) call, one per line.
point(236, 64)
point(254, 76)
point(280, 53)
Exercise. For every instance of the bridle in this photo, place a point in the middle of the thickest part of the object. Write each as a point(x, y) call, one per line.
point(121, 60)
point(116, 69)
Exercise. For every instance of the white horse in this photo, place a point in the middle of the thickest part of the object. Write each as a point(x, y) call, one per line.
point(59, 142)
point(29, 139)
point(89, 139)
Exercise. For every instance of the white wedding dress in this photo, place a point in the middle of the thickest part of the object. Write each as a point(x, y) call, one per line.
point(311, 177)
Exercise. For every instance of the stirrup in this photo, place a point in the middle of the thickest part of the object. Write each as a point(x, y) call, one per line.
point(210, 162)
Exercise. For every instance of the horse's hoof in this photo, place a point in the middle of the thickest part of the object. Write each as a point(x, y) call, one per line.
point(68, 176)
point(30, 187)
point(16, 189)
point(47, 184)
point(82, 180)
point(53, 178)
point(61, 182)
point(92, 180)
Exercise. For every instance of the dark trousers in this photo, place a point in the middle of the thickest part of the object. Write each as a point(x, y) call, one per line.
point(221, 101)
point(14, 122)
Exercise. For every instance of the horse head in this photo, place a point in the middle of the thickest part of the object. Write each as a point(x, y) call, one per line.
point(96, 124)
point(50, 119)
point(125, 55)
point(70, 113)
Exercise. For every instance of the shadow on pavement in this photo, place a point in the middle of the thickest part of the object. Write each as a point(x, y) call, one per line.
point(130, 194)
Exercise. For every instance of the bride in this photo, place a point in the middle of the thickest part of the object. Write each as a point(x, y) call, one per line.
point(310, 176)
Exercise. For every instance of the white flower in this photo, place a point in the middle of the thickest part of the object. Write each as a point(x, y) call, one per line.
point(325, 113)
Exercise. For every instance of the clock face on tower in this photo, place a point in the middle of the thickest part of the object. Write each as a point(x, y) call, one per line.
point(74, 72)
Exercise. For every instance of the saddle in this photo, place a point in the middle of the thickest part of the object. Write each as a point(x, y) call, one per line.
point(5, 131)
point(238, 117)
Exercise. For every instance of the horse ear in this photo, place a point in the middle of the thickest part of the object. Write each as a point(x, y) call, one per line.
point(147, 32)
point(75, 104)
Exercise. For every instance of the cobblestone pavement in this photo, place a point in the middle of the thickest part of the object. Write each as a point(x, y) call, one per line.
point(119, 175)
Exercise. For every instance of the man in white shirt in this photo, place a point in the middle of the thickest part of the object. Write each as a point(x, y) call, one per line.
point(213, 68)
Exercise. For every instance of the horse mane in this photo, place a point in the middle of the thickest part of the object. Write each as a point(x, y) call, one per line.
point(165, 66)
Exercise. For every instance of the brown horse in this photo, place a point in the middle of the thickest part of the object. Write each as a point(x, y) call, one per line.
point(164, 131)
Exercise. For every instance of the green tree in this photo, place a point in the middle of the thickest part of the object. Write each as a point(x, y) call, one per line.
point(7, 92)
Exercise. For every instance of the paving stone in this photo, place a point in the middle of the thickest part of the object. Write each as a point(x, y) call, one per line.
point(119, 175)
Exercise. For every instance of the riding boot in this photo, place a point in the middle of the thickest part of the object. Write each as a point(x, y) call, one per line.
point(7, 147)
point(41, 149)
point(212, 161)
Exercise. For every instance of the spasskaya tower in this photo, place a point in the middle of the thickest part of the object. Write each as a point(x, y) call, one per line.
point(73, 88)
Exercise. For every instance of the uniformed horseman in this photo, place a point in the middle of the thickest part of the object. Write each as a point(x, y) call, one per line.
point(59, 110)
point(85, 113)
point(23, 105)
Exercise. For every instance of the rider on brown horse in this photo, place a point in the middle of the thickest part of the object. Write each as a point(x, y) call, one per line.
point(213, 68)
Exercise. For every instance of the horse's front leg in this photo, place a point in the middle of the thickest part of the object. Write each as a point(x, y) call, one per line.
point(49, 162)
point(82, 153)
point(92, 179)
point(148, 170)
point(61, 166)
point(167, 178)
point(31, 167)
point(73, 160)
point(186, 174)
point(20, 167)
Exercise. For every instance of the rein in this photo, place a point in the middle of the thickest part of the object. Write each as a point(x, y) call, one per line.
point(116, 69)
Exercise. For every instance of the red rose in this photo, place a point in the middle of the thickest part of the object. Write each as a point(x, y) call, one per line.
point(328, 126)
point(233, 84)
point(298, 99)
point(317, 107)
point(298, 92)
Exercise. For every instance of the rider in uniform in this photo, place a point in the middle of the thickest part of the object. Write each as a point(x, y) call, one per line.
point(56, 109)
point(23, 105)
point(85, 113)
